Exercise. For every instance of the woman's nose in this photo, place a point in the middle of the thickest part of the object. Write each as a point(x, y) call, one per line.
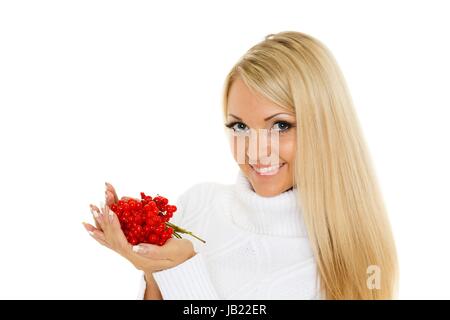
point(263, 147)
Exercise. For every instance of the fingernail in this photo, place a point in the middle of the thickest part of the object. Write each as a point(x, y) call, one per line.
point(136, 248)
point(91, 233)
point(102, 207)
point(94, 212)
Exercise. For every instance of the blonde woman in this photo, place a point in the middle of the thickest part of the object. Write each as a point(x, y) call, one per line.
point(311, 224)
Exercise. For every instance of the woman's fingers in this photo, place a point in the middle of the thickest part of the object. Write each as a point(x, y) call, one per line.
point(110, 216)
point(110, 189)
point(98, 215)
point(93, 230)
point(89, 227)
point(106, 214)
point(113, 232)
point(95, 213)
point(114, 220)
point(109, 198)
point(153, 251)
point(96, 234)
point(144, 263)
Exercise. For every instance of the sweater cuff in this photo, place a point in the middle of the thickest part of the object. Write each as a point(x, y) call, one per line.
point(187, 281)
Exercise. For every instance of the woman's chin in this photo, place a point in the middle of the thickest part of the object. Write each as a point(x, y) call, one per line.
point(268, 184)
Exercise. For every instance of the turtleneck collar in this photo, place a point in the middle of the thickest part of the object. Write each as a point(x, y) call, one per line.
point(279, 215)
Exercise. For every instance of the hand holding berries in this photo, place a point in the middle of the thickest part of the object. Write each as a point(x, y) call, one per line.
point(120, 224)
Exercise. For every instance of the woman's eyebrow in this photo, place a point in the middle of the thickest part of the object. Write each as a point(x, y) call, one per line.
point(266, 119)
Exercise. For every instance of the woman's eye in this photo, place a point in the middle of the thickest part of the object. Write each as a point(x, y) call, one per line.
point(281, 126)
point(238, 127)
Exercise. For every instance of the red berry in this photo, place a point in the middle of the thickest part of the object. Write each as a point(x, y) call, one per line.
point(160, 228)
point(153, 205)
point(168, 233)
point(155, 220)
point(153, 238)
point(145, 220)
point(171, 209)
point(138, 219)
point(146, 229)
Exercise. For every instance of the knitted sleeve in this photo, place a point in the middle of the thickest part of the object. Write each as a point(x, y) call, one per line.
point(190, 279)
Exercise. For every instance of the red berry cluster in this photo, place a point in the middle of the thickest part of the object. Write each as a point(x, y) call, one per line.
point(147, 220)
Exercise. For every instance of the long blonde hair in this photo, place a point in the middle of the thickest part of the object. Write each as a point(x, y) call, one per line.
point(342, 205)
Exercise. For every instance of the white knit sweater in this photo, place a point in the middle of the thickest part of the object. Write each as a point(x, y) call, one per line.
point(256, 247)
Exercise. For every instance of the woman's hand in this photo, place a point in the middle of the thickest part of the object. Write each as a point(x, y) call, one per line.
point(110, 233)
point(175, 251)
point(146, 257)
point(110, 198)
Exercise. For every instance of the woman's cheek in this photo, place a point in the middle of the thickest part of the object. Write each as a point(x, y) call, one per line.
point(238, 148)
point(287, 149)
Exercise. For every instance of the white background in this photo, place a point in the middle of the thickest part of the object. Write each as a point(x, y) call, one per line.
point(130, 92)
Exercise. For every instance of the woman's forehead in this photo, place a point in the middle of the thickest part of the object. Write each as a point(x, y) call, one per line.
point(243, 102)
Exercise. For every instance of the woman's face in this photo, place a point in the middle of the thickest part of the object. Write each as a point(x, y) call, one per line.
point(248, 112)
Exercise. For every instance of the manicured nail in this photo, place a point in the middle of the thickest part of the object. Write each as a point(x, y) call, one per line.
point(94, 212)
point(102, 207)
point(136, 248)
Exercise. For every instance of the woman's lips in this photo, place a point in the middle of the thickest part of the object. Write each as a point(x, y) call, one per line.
point(267, 171)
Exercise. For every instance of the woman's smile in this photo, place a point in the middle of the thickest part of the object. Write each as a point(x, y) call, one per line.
point(269, 170)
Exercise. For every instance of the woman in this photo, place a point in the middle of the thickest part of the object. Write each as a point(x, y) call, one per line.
point(311, 224)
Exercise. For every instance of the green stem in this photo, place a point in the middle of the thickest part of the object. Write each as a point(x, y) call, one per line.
point(177, 235)
point(178, 229)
